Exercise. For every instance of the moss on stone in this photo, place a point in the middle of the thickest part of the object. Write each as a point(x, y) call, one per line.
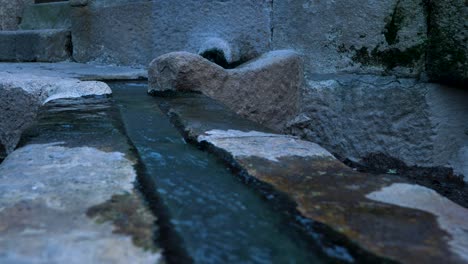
point(389, 58)
point(394, 25)
point(447, 57)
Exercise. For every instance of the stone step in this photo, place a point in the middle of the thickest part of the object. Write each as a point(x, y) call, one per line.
point(68, 196)
point(47, 16)
point(385, 215)
point(45, 45)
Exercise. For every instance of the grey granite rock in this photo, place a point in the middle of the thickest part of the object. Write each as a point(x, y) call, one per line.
point(46, 45)
point(134, 32)
point(263, 145)
point(11, 13)
point(18, 109)
point(46, 16)
point(265, 90)
point(68, 193)
point(113, 33)
point(352, 115)
point(46, 192)
point(354, 36)
point(182, 25)
point(23, 94)
point(413, 226)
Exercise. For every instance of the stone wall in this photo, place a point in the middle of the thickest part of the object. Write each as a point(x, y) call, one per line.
point(113, 33)
point(405, 38)
point(135, 32)
point(11, 12)
point(354, 116)
point(401, 44)
point(380, 37)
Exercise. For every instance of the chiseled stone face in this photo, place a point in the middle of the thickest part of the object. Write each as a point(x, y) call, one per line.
point(356, 115)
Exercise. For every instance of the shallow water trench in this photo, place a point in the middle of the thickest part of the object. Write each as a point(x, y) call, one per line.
point(218, 218)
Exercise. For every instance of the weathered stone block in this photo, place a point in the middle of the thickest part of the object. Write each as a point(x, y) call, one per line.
point(113, 33)
point(182, 25)
point(46, 16)
point(134, 32)
point(420, 123)
point(353, 36)
point(21, 95)
point(7, 45)
point(35, 45)
point(11, 12)
point(383, 214)
point(264, 90)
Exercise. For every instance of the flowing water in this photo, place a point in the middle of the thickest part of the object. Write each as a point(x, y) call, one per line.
point(218, 218)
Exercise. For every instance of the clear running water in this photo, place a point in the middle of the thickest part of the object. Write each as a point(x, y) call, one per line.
point(219, 218)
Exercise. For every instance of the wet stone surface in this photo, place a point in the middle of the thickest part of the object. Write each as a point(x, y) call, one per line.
point(68, 194)
point(75, 70)
point(327, 191)
point(218, 218)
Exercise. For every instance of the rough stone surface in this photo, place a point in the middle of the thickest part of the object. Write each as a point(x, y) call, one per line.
point(113, 33)
point(11, 13)
point(22, 94)
point(46, 191)
point(419, 123)
point(450, 216)
point(46, 16)
point(67, 195)
point(84, 72)
point(448, 45)
point(46, 45)
point(324, 189)
point(354, 36)
point(45, 89)
point(264, 90)
point(134, 32)
point(263, 145)
point(189, 25)
point(18, 109)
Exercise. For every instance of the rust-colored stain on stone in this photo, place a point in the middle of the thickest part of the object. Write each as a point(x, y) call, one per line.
point(129, 216)
point(318, 186)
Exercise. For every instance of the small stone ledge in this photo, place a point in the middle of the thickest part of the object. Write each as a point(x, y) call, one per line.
point(324, 189)
point(83, 72)
point(69, 194)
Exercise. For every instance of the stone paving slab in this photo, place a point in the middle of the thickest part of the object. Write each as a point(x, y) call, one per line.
point(385, 215)
point(84, 72)
point(67, 194)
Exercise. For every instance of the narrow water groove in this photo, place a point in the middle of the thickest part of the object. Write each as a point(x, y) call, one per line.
point(217, 217)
